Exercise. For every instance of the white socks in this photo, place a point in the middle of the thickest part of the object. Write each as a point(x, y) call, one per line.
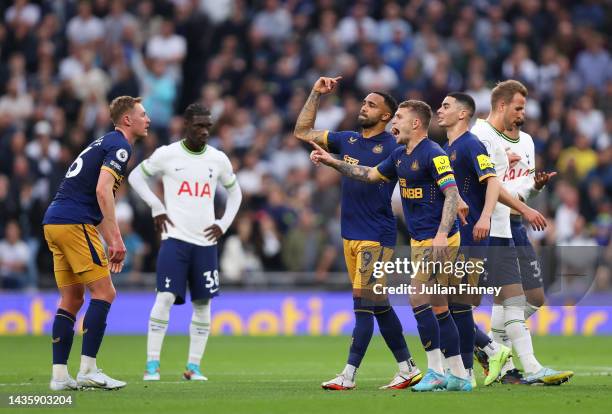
point(349, 372)
point(530, 310)
point(434, 360)
point(60, 372)
point(499, 336)
point(455, 364)
point(88, 364)
point(517, 332)
point(158, 324)
point(199, 330)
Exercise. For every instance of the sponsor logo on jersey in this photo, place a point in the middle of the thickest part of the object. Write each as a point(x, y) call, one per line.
point(411, 193)
point(115, 165)
point(442, 164)
point(484, 162)
point(351, 160)
point(122, 155)
point(195, 189)
point(377, 149)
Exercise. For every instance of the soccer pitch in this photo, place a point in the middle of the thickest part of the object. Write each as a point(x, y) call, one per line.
point(283, 374)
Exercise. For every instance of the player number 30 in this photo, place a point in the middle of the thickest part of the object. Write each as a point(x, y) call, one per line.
point(212, 279)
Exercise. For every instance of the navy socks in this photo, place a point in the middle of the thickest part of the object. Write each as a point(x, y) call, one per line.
point(449, 335)
point(94, 325)
point(464, 319)
point(392, 331)
point(429, 331)
point(362, 333)
point(62, 336)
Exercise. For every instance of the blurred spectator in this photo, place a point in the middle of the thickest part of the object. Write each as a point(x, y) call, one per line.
point(85, 28)
point(567, 212)
point(594, 64)
point(273, 22)
point(304, 245)
point(358, 26)
point(577, 160)
point(14, 258)
point(375, 75)
point(135, 247)
point(239, 257)
point(168, 47)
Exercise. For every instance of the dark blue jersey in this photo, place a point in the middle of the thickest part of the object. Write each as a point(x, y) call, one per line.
point(76, 201)
point(423, 175)
point(472, 165)
point(366, 208)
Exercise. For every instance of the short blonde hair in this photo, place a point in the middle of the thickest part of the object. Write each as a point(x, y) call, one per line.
point(120, 105)
point(506, 90)
point(421, 109)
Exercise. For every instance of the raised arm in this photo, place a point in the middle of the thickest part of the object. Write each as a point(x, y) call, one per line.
point(304, 126)
point(357, 172)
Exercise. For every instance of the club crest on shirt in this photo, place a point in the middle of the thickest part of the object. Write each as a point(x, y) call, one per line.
point(453, 156)
point(377, 149)
point(397, 163)
point(415, 165)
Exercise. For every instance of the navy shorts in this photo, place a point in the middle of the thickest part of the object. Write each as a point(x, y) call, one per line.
point(181, 264)
point(502, 263)
point(531, 275)
point(470, 248)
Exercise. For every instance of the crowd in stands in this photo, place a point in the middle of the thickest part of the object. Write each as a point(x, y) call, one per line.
point(253, 64)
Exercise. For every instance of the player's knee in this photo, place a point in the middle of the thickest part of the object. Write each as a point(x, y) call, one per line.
point(535, 297)
point(110, 294)
point(165, 300)
point(439, 309)
point(418, 300)
point(201, 310)
point(72, 304)
point(518, 301)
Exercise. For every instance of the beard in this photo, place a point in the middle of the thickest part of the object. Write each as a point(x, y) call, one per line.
point(366, 122)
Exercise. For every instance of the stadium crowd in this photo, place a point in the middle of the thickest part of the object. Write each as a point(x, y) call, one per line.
point(253, 63)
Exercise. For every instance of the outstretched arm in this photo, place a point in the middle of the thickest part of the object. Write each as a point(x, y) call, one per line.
point(357, 172)
point(304, 126)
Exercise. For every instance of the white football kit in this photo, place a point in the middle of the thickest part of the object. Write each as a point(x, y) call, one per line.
point(519, 180)
point(490, 137)
point(190, 181)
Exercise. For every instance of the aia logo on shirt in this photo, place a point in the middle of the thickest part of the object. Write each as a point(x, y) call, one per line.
point(194, 189)
point(513, 174)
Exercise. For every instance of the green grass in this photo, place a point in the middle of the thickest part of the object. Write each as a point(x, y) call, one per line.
point(282, 374)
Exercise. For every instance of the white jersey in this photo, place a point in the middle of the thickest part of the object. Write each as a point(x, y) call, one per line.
point(190, 181)
point(490, 137)
point(519, 180)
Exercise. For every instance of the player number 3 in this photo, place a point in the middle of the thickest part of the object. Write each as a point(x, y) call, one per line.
point(212, 279)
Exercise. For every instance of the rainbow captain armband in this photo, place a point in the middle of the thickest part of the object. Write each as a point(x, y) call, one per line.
point(446, 182)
